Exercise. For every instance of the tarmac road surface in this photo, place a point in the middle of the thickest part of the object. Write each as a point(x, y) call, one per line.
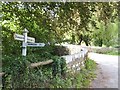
point(107, 71)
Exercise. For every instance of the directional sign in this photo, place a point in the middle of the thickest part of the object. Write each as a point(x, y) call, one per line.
point(27, 41)
point(35, 44)
point(21, 38)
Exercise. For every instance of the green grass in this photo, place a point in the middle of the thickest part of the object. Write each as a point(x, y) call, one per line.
point(80, 79)
point(108, 52)
point(116, 53)
point(113, 53)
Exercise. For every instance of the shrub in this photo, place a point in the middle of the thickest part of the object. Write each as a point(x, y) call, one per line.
point(60, 50)
point(18, 75)
point(90, 64)
point(59, 66)
point(54, 75)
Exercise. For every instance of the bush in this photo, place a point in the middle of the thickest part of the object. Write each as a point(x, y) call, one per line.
point(59, 66)
point(60, 50)
point(90, 64)
point(51, 49)
point(81, 79)
point(18, 75)
point(54, 75)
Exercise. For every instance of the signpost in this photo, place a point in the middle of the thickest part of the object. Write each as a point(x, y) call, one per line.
point(21, 38)
point(35, 44)
point(24, 38)
point(24, 47)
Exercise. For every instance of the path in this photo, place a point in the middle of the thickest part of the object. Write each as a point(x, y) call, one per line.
point(107, 71)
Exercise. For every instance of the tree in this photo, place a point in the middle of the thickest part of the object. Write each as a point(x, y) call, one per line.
point(55, 22)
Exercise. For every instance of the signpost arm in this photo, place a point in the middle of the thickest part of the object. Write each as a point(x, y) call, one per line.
point(24, 47)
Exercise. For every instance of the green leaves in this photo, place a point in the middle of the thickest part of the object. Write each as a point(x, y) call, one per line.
point(90, 64)
point(106, 35)
point(59, 66)
point(56, 21)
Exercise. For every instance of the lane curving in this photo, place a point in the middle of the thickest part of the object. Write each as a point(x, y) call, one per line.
point(107, 71)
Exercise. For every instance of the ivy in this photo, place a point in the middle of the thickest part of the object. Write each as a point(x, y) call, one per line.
point(59, 66)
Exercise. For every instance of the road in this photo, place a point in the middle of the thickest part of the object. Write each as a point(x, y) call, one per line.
point(107, 71)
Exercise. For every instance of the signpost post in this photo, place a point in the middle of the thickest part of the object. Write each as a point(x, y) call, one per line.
point(24, 38)
point(24, 47)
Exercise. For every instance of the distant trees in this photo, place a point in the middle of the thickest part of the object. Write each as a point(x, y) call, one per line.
point(106, 35)
point(107, 23)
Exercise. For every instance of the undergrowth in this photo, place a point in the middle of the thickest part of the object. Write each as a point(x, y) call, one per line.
point(54, 75)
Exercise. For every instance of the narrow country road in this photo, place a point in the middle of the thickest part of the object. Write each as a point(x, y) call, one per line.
point(107, 71)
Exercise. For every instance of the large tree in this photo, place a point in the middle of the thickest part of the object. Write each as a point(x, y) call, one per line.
point(54, 22)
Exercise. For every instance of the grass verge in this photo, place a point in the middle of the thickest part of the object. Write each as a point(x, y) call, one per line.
point(114, 52)
point(80, 79)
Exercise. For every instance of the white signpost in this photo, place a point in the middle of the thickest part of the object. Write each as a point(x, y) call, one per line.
point(35, 44)
point(26, 39)
point(21, 38)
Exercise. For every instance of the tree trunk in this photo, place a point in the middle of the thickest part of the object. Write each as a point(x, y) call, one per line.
point(81, 39)
point(86, 43)
point(101, 42)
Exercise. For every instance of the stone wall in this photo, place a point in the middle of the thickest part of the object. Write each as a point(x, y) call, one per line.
point(76, 60)
point(73, 48)
point(100, 49)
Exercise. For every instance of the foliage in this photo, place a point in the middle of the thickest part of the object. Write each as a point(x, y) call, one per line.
point(90, 64)
point(15, 65)
point(55, 22)
point(81, 79)
point(106, 35)
point(50, 50)
point(110, 52)
point(60, 50)
point(18, 75)
point(59, 66)
point(116, 52)
point(107, 50)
